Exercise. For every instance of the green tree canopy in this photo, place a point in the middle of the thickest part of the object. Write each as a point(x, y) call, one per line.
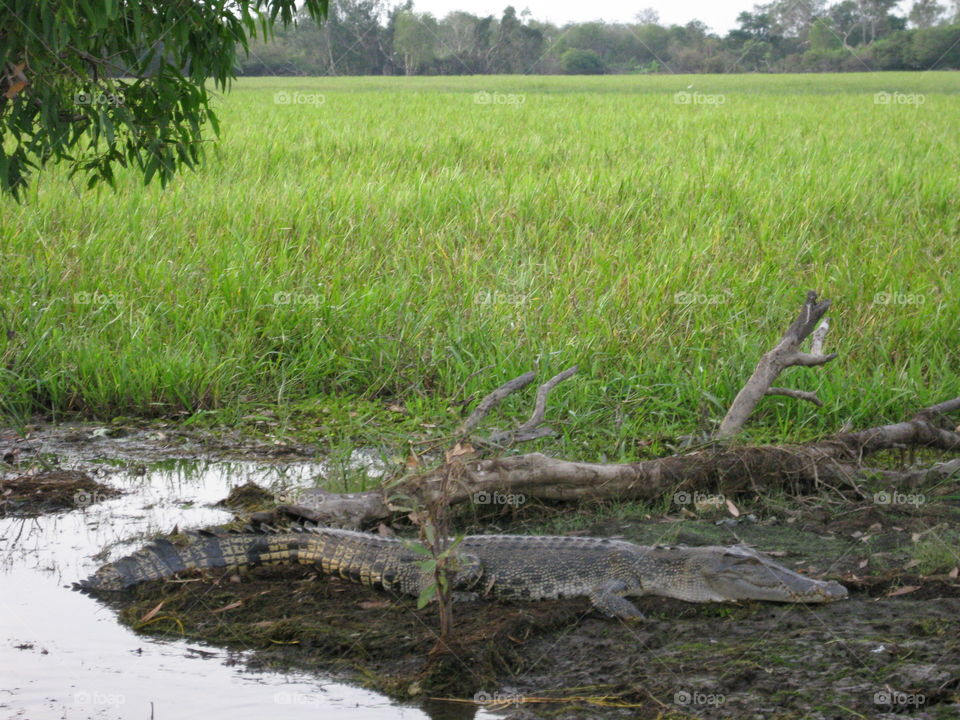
point(105, 83)
point(415, 38)
point(926, 13)
point(582, 62)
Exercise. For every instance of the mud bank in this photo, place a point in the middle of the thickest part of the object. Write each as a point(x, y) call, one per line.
point(869, 654)
point(891, 650)
point(42, 491)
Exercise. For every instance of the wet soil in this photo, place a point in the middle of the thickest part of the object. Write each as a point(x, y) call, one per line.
point(42, 491)
point(134, 441)
point(891, 651)
point(877, 652)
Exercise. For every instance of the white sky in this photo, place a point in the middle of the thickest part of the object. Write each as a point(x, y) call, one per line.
point(719, 15)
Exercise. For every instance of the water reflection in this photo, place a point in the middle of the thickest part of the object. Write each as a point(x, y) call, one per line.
point(63, 654)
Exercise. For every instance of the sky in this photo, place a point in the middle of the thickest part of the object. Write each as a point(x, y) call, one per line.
point(719, 15)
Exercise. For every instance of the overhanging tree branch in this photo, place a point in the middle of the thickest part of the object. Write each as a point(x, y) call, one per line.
point(105, 85)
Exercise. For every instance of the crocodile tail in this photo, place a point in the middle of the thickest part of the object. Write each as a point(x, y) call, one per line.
point(164, 558)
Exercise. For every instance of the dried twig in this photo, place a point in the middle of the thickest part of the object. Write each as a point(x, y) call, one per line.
point(796, 394)
point(534, 428)
point(494, 399)
point(941, 408)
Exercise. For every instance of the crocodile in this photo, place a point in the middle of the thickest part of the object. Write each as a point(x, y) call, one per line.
point(512, 567)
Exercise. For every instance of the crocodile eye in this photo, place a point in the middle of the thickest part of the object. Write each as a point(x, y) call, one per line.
point(743, 561)
point(742, 553)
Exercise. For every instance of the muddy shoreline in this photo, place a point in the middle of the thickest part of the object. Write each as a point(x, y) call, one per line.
point(891, 650)
point(754, 660)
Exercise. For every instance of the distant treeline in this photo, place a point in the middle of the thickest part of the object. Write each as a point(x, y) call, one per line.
point(375, 37)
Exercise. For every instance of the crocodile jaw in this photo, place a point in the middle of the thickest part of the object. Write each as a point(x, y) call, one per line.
point(727, 574)
point(740, 573)
point(806, 591)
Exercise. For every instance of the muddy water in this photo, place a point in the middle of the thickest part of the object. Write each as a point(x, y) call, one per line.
point(63, 654)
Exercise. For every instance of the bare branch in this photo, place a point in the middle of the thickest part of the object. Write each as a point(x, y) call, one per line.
point(785, 354)
point(810, 314)
point(531, 429)
point(837, 460)
point(809, 360)
point(494, 399)
point(917, 433)
point(913, 478)
point(796, 394)
point(819, 335)
point(942, 408)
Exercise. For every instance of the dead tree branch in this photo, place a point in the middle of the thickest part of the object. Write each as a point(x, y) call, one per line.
point(492, 400)
point(729, 471)
point(796, 394)
point(914, 478)
point(534, 429)
point(942, 409)
point(837, 460)
point(786, 354)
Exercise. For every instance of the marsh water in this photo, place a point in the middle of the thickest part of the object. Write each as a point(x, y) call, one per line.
point(64, 654)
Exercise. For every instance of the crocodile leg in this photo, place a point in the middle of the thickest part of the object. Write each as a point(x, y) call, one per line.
point(469, 571)
point(608, 598)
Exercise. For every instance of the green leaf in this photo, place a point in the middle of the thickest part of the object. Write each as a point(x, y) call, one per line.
point(419, 548)
point(152, 165)
point(426, 595)
point(713, 399)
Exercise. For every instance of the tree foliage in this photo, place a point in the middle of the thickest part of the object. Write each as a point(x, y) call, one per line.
point(926, 13)
point(100, 84)
point(582, 62)
point(380, 37)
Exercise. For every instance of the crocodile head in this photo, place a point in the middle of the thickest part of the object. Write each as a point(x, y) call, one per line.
point(718, 574)
point(740, 573)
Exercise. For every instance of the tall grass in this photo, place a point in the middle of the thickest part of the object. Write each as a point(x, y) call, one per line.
point(391, 237)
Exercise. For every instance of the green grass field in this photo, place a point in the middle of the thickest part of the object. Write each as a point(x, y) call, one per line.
point(391, 237)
